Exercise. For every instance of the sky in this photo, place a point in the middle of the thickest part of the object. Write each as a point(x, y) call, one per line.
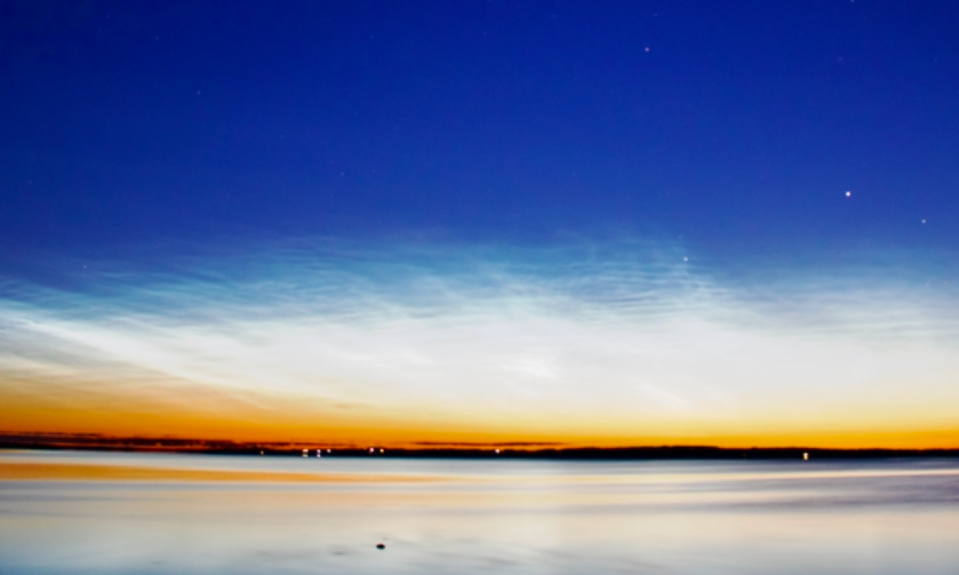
point(408, 223)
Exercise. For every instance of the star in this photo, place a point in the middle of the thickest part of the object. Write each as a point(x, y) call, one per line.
point(848, 194)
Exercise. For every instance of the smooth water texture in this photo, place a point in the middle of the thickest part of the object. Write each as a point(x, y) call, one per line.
point(480, 516)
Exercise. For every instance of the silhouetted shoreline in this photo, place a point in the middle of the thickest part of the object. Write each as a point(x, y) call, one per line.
point(507, 450)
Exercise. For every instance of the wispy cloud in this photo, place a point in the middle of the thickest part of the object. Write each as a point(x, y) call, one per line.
point(627, 339)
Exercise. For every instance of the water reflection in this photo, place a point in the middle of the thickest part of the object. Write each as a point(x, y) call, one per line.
point(442, 516)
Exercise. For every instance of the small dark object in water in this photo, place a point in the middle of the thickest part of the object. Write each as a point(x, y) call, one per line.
point(380, 546)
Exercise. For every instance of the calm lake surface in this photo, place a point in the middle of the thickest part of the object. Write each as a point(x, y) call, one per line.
point(473, 516)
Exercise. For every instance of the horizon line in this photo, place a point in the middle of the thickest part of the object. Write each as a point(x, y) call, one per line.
point(515, 449)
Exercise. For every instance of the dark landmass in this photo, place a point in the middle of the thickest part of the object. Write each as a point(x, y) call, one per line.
point(509, 450)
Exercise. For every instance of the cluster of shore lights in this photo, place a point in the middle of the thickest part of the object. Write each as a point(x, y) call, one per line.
point(372, 450)
point(306, 452)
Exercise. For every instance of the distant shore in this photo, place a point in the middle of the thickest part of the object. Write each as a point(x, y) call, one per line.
point(517, 450)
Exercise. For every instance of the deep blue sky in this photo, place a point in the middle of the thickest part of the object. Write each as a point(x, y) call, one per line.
point(740, 128)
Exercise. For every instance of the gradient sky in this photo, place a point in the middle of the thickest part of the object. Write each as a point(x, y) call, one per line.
point(620, 224)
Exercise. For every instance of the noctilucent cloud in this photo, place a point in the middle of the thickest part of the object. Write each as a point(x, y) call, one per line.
point(625, 224)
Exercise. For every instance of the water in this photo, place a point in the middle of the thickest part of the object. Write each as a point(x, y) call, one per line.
point(84, 513)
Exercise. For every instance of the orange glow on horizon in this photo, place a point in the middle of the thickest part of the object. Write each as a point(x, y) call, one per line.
point(291, 422)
